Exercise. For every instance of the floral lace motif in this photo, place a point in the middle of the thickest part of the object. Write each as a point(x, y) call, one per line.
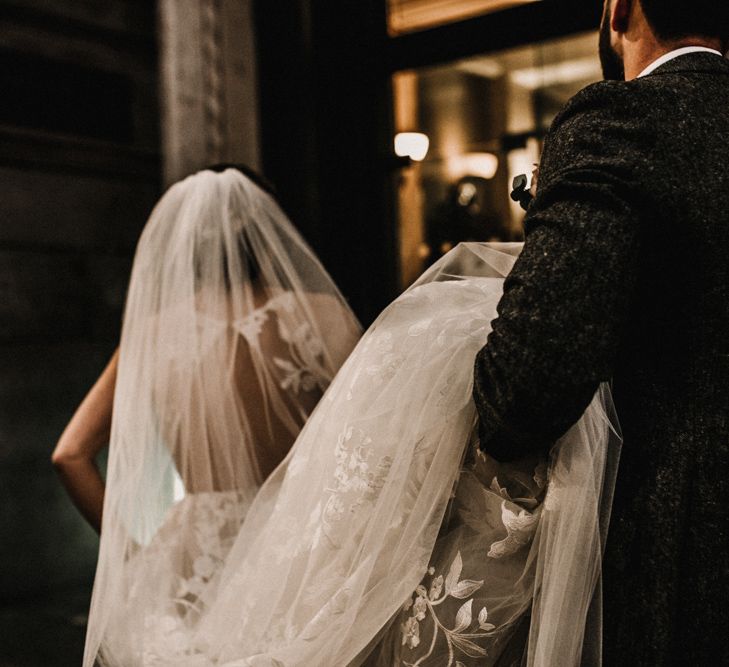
point(459, 638)
point(356, 482)
point(304, 370)
point(520, 528)
point(189, 552)
point(435, 628)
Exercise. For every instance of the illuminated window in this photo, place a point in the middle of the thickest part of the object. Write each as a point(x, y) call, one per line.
point(485, 118)
point(412, 15)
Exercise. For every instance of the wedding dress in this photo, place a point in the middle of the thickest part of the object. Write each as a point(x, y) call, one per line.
point(232, 332)
point(386, 538)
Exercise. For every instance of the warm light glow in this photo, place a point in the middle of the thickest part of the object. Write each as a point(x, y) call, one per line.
point(409, 15)
point(412, 144)
point(483, 165)
point(569, 71)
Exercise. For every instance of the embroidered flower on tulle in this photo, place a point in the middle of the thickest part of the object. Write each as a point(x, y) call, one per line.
point(355, 482)
point(304, 337)
point(436, 587)
point(458, 634)
point(520, 528)
point(420, 607)
point(379, 346)
point(201, 527)
point(286, 301)
point(411, 633)
point(304, 369)
point(386, 369)
point(252, 325)
point(296, 378)
point(334, 509)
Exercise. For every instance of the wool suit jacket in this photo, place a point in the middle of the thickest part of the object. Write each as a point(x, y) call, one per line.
point(624, 276)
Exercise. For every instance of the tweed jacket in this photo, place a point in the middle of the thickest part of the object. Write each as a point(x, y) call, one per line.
point(625, 276)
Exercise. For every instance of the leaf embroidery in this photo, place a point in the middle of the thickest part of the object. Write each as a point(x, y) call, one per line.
point(465, 588)
point(482, 618)
point(424, 603)
point(464, 616)
point(454, 573)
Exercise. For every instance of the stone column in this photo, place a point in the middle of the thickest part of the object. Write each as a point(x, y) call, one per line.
point(209, 90)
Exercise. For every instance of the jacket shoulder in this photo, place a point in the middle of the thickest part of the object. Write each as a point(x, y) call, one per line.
point(606, 133)
point(602, 101)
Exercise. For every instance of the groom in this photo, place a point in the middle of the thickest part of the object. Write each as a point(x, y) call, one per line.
point(625, 275)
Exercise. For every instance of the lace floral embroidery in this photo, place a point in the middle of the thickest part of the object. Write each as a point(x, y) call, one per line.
point(520, 528)
point(460, 637)
point(388, 363)
point(355, 482)
point(252, 325)
point(195, 540)
point(520, 517)
point(296, 378)
point(304, 370)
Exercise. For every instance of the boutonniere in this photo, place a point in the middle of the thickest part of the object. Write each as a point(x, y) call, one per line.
point(519, 190)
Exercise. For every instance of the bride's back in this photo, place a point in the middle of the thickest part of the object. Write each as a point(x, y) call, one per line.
point(233, 330)
point(233, 411)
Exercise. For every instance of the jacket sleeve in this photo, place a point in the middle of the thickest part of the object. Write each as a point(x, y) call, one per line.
point(563, 312)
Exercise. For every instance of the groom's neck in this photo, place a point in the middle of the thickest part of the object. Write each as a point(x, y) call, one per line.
point(642, 52)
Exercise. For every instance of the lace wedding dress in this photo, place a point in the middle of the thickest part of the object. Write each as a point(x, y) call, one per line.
point(386, 538)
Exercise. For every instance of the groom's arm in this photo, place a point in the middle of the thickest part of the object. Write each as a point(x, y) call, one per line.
point(564, 308)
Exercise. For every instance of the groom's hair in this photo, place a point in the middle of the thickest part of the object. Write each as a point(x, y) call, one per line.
point(676, 19)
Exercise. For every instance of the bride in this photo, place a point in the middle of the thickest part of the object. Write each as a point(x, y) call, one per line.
point(232, 332)
point(384, 537)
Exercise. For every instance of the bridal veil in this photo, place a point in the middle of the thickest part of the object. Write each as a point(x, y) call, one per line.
point(232, 332)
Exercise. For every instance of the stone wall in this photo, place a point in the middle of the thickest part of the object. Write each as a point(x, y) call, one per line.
point(79, 172)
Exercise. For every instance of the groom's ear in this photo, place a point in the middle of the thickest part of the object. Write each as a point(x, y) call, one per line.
point(620, 15)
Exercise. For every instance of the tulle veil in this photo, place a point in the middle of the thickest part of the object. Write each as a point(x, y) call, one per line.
point(386, 538)
point(232, 332)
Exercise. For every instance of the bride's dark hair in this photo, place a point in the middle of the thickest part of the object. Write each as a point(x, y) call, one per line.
point(253, 267)
point(260, 180)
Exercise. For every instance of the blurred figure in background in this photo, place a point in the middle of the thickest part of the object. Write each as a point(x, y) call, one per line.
point(464, 216)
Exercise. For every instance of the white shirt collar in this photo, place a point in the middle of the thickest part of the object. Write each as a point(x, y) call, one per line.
point(675, 54)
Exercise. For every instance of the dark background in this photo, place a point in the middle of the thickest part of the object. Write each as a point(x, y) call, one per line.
point(79, 172)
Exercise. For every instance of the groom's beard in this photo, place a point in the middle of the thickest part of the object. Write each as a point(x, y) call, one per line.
point(613, 68)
